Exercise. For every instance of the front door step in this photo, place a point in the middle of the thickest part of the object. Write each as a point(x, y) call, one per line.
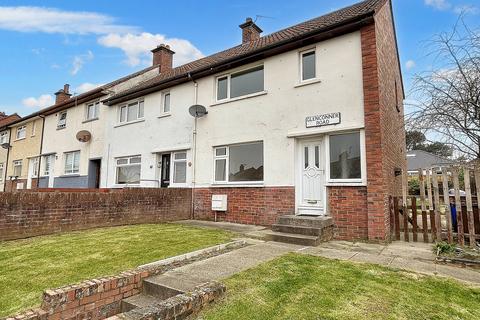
point(308, 231)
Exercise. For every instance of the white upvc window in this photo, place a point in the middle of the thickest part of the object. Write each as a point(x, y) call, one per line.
point(2, 171)
point(92, 110)
point(17, 168)
point(128, 170)
point(47, 164)
point(72, 162)
point(346, 161)
point(180, 167)
point(131, 111)
point(4, 135)
point(35, 166)
point(238, 164)
point(62, 120)
point(34, 127)
point(166, 102)
point(241, 83)
point(21, 132)
point(308, 65)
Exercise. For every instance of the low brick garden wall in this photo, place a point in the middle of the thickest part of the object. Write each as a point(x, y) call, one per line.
point(28, 214)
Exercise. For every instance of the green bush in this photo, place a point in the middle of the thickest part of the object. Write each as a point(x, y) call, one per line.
point(443, 248)
point(413, 186)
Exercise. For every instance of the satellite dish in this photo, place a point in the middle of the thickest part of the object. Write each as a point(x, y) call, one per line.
point(83, 136)
point(197, 111)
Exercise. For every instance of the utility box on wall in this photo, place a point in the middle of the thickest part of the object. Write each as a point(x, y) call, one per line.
point(219, 202)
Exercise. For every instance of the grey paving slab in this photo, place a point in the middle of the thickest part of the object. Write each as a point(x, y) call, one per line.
point(429, 268)
point(329, 253)
point(462, 274)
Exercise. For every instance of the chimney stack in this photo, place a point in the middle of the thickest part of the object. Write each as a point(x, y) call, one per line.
point(250, 31)
point(62, 95)
point(163, 57)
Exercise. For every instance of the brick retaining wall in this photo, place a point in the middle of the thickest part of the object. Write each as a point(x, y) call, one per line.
point(27, 214)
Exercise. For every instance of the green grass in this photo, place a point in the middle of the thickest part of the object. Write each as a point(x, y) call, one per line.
point(306, 287)
point(27, 267)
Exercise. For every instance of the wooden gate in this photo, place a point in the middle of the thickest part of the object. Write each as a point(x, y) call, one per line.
point(446, 208)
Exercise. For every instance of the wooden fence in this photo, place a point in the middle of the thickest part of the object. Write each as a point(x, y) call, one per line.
point(446, 208)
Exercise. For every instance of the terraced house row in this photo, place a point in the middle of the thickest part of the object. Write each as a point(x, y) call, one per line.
point(307, 120)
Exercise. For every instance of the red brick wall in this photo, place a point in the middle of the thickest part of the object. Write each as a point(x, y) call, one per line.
point(348, 208)
point(27, 214)
point(11, 185)
point(384, 129)
point(250, 205)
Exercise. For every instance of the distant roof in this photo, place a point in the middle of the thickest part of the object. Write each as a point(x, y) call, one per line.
point(417, 159)
point(323, 23)
point(8, 120)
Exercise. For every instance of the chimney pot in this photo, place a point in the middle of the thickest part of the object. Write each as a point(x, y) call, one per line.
point(62, 95)
point(250, 31)
point(163, 57)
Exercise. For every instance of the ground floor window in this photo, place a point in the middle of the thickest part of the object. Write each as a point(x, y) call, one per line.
point(47, 164)
point(239, 163)
point(128, 170)
point(1, 172)
point(72, 162)
point(180, 167)
point(345, 157)
point(17, 168)
point(34, 167)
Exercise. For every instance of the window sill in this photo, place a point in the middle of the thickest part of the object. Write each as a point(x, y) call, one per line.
point(307, 82)
point(69, 175)
point(256, 94)
point(346, 184)
point(164, 115)
point(61, 128)
point(127, 123)
point(90, 120)
point(238, 185)
point(19, 139)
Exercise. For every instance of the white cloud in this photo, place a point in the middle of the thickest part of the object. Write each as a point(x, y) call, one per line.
point(51, 20)
point(466, 9)
point(87, 86)
point(80, 60)
point(410, 64)
point(137, 47)
point(43, 101)
point(438, 4)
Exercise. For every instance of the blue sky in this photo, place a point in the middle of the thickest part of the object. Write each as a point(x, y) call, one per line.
point(85, 43)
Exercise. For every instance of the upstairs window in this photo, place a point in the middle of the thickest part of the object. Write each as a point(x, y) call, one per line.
point(34, 127)
point(62, 120)
point(308, 65)
point(92, 110)
point(131, 112)
point(166, 103)
point(21, 132)
point(128, 170)
point(240, 83)
point(239, 163)
point(72, 162)
point(3, 137)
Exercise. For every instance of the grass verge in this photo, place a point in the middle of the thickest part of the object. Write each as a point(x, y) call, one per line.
point(298, 286)
point(27, 267)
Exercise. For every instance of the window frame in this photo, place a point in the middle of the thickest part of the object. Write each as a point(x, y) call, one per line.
point(162, 110)
point(127, 105)
point(4, 135)
point(128, 164)
point(34, 128)
point(47, 159)
point(96, 105)
point(227, 164)
point(16, 164)
point(363, 167)
point(301, 54)
point(229, 84)
point(64, 125)
point(173, 161)
point(24, 129)
point(2, 171)
point(73, 172)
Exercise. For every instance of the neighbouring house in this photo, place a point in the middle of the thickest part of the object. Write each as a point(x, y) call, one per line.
point(73, 147)
point(24, 154)
point(419, 159)
point(5, 145)
point(307, 120)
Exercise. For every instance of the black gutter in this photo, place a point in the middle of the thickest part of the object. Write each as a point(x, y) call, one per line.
point(276, 48)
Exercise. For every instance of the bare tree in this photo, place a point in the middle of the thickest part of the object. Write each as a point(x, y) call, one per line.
point(446, 99)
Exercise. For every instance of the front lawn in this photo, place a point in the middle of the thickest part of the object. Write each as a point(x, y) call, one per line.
point(299, 286)
point(27, 267)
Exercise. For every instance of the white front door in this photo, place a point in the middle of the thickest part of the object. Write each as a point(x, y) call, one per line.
point(32, 171)
point(311, 180)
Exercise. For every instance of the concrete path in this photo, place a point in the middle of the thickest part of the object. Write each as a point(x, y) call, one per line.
point(411, 256)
